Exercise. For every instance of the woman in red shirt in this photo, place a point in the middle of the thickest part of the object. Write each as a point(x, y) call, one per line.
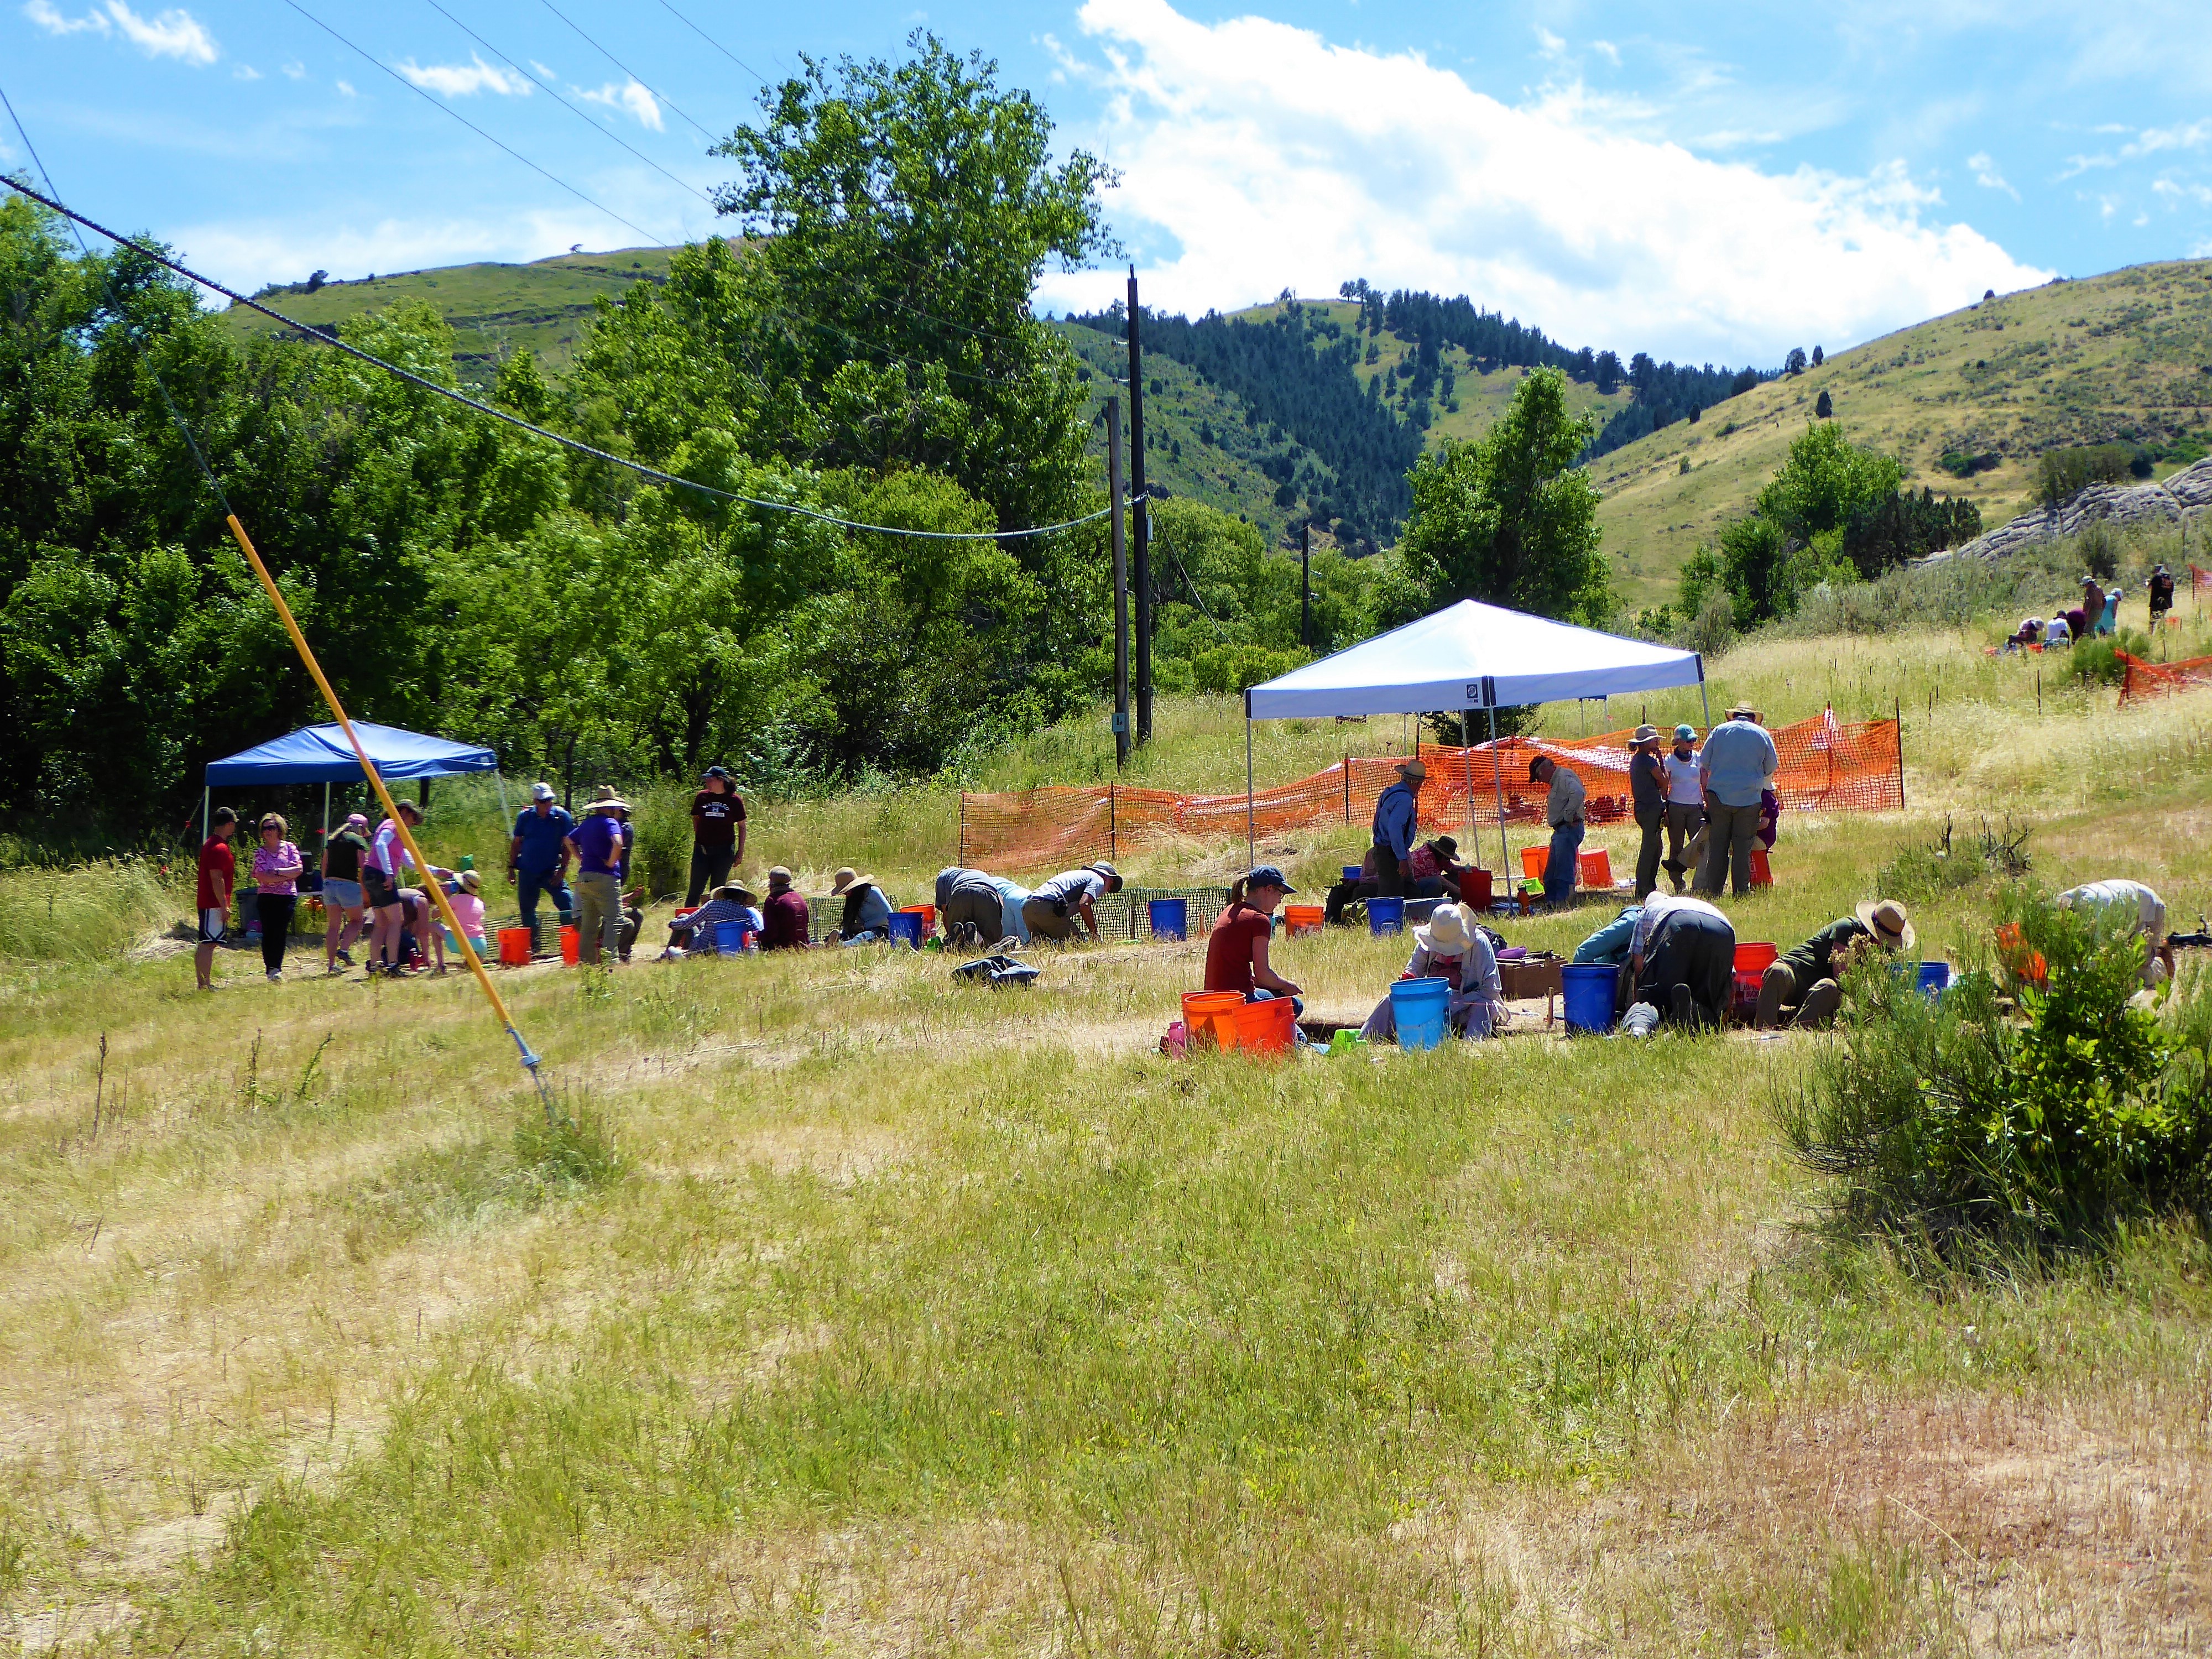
point(1237, 950)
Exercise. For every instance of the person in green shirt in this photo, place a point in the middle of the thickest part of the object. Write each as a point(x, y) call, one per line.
point(1800, 986)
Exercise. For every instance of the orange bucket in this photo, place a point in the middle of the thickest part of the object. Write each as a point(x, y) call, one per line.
point(1212, 1013)
point(928, 914)
point(514, 947)
point(1303, 917)
point(1755, 958)
point(1268, 1028)
point(1762, 874)
point(1474, 888)
point(571, 951)
point(1533, 860)
point(1596, 868)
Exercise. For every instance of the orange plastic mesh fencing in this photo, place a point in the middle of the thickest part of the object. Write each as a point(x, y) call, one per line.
point(2199, 578)
point(2140, 679)
point(1827, 766)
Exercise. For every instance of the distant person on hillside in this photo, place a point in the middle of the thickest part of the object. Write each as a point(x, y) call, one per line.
point(2060, 630)
point(785, 924)
point(1686, 801)
point(218, 873)
point(2161, 594)
point(276, 868)
point(718, 832)
point(1681, 963)
point(1563, 810)
point(1450, 948)
point(1053, 911)
point(2093, 608)
point(2030, 632)
point(2110, 621)
point(1647, 792)
point(341, 898)
point(1737, 766)
point(1237, 949)
point(867, 915)
point(1802, 987)
point(537, 857)
point(2129, 907)
point(1397, 820)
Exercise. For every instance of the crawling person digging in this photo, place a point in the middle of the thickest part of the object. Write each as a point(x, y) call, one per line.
point(1804, 986)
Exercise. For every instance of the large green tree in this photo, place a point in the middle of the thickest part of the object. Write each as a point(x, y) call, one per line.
point(1509, 519)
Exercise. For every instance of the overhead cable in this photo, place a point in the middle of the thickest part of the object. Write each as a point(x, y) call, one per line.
point(713, 42)
point(624, 67)
point(575, 444)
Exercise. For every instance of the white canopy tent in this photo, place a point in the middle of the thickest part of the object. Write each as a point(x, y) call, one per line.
point(1465, 657)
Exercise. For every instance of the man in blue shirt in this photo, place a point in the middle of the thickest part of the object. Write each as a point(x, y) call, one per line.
point(1397, 817)
point(1737, 766)
point(538, 858)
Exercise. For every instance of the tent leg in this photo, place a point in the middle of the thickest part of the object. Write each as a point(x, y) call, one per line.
point(1708, 703)
point(1498, 781)
point(326, 814)
point(1251, 848)
point(207, 821)
point(1466, 766)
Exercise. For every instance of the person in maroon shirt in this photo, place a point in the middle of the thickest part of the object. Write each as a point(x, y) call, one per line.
point(1237, 950)
point(784, 924)
point(218, 875)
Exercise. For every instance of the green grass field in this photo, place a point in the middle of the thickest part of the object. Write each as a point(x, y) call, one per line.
point(863, 1313)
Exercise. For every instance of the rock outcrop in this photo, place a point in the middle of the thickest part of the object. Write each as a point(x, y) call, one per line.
point(2122, 505)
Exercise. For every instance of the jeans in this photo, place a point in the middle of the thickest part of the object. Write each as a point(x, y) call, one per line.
point(1389, 873)
point(1559, 866)
point(529, 884)
point(1728, 849)
point(710, 868)
point(598, 915)
point(1260, 994)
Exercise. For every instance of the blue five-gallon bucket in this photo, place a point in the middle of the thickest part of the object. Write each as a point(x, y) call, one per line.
point(1170, 917)
point(1586, 993)
point(1386, 916)
point(1418, 1006)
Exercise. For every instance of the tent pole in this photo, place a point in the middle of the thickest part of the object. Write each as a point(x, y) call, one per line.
point(207, 823)
point(1467, 767)
point(1251, 839)
point(1703, 699)
point(326, 812)
point(1497, 782)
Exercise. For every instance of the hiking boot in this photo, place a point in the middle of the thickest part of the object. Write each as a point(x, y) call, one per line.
point(346, 956)
point(1685, 1008)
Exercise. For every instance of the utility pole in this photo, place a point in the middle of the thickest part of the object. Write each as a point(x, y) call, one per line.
point(1142, 528)
point(1305, 585)
point(1120, 585)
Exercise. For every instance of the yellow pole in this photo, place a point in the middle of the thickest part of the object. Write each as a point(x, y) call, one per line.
point(391, 811)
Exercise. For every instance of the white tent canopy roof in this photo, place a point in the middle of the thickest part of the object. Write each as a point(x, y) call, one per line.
point(1471, 655)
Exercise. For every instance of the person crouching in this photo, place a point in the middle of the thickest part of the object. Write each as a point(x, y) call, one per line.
point(1237, 950)
point(1452, 949)
point(1802, 987)
point(1681, 960)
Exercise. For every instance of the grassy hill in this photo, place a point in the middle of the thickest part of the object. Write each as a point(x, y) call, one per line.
point(494, 309)
point(2125, 356)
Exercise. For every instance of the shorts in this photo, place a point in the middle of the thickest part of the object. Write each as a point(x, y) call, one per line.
point(341, 894)
point(382, 895)
point(214, 928)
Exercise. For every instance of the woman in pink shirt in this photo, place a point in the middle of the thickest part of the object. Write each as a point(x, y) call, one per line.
point(276, 867)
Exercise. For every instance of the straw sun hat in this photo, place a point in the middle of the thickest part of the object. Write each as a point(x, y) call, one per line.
point(1447, 934)
point(1887, 920)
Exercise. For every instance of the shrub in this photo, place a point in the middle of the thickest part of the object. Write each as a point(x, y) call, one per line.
point(2097, 661)
point(2061, 473)
point(1977, 1131)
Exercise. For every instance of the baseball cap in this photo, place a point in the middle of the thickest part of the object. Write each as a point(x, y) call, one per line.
point(542, 791)
point(1268, 875)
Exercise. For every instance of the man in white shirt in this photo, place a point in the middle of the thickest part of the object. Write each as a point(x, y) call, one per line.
point(2129, 907)
point(1686, 801)
point(1052, 910)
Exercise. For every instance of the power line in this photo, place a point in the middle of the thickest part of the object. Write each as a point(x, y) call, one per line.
point(713, 42)
point(363, 52)
point(624, 67)
point(572, 444)
point(604, 133)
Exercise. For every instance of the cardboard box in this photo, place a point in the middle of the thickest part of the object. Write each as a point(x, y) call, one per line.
point(1535, 976)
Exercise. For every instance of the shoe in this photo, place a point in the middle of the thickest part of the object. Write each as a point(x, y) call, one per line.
point(275, 978)
point(346, 956)
point(1685, 1009)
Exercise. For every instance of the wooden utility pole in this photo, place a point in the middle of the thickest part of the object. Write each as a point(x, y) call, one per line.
point(1141, 528)
point(1120, 585)
point(1305, 585)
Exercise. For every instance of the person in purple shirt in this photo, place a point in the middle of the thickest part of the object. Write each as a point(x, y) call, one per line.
point(599, 844)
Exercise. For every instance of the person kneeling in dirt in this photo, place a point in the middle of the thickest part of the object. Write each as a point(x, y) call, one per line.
point(1237, 950)
point(733, 902)
point(1451, 948)
point(1803, 987)
point(1681, 960)
point(971, 908)
point(1051, 911)
point(2134, 909)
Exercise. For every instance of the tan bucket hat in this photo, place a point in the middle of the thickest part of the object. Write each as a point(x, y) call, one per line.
point(845, 877)
point(1887, 920)
point(1447, 933)
point(1414, 769)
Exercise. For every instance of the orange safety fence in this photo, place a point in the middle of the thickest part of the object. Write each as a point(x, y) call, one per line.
point(2139, 678)
point(1828, 765)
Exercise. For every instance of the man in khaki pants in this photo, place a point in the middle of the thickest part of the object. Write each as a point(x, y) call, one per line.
point(1737, 766)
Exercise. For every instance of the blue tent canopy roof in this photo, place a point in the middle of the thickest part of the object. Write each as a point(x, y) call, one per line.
point(320, 754)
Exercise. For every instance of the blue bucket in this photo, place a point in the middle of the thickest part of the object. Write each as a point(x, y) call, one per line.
point(1418, 1005)
point(730, 938)
point(1386, 916)
point(1352, 871)
point(1170, 917)
point(1934, 978)
point(906, 928)
point(1586, 995)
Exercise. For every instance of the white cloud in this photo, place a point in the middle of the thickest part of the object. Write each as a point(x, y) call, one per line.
point(1259, 155)
point(246, 72)
point(346, 87)
point(1608, 50)
point(631, 97)
point(295, 71)
point(43, 13)
point(1987, 176)
point(543, 72)
point(174, 34)
point(465, 80)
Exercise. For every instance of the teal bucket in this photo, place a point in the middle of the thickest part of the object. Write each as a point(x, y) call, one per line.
point(1418, 1006)
point(1586, 995)
point(906, 928)
point(1170, 917)
point(1386, 916)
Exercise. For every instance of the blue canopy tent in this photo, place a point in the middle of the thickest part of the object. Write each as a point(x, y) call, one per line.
point(320, 754)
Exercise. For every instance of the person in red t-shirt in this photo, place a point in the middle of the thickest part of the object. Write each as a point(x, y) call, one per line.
point(218, 875)
point(1237, 950)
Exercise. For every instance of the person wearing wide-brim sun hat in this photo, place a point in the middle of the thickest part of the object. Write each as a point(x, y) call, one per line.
point(1397, 822)
point(600, 845)
point(1450, 947)
point(1804, 986)
point(866, 918)
point(1062, 907)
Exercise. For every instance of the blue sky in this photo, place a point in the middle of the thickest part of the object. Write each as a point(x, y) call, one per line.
point(1715, 182)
